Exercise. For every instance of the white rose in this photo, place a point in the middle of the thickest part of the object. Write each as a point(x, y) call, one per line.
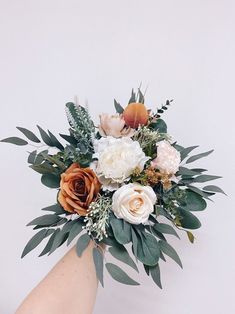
point(168, 158)
point(117, 158)
point(134, 203)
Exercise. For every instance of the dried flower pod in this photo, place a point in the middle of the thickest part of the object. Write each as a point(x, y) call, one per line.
point(135, 114)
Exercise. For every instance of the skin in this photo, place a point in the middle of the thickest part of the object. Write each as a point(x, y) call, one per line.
point(70, 287)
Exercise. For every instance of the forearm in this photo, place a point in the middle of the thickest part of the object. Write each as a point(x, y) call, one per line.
point(70, 287)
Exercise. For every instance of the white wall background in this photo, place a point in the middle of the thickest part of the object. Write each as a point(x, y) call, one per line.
point(51, 50)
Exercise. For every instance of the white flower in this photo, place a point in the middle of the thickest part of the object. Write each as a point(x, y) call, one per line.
point(168, 158)
point(117, 158)
point(134, 203)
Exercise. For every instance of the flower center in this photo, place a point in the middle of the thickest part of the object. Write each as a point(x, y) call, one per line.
point(135, 204)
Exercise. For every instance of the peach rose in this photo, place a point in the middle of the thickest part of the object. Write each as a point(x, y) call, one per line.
point(135, 114)
point(78, 188)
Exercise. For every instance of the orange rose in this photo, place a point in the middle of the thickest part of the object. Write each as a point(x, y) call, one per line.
point(135, 114)
point(78, 188)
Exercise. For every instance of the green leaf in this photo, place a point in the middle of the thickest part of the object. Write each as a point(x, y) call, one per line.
point(75, 230)
point(168, 250)
point(141, 96)
point(70, 139)
point(32, 157)
point(155, 274)
point(119, 275)
point(39, 158)
point(188, 220)
point(44, 168)
point(121, 230)
point(200, 192)
point(45, 220)
point(82, 244)
point(186, 172)
point(118, 107)
point(193, 201)
point(50, 242)
point(56, 208)
point(59, 239)
point(214, 188)
point(14, 140)
point(45, 137)
point(185, 151)
point(51, 180)
point(164, 228)
point(30, 135)
point(148, 251)
point(34, 241)
point(159, 126)
point(204, 178)
point(55, 141)
point(198, 156)
point(133, 97)
point(99, 264)
point(199, 170)
point(121, 253)
point(134, 241)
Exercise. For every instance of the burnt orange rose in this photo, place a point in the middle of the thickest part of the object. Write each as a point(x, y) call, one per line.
point(78, 188)
point(136, 114)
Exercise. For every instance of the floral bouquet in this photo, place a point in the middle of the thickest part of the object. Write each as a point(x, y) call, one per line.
point(114, 182)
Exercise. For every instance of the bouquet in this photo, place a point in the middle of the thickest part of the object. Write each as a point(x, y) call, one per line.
point(123, 184)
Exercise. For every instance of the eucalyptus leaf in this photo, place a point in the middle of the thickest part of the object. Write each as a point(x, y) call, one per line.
point(75, 230)
point(193, 201)
point(167, 249)
point(14, 140)
point(30, 135)
point(70, 139)
point(214, 188)
point(45, 220)
point(55, 141)
point(56, 208)
point(51, 180)
point(121, 230)
point(165, 228)
point(45, 137)
point(121, 253)
point(119, 275)
point(82, 244)
point(159, 125)
point(34, 241)
point(99, 264)
point(148, 251)
point(198, 156)
point(32, 157)
point(59, 239)
point(185, 151)
point(204, 178)
point(49, 243)
point(186, 171)
point(188, 220)
point(155, 274)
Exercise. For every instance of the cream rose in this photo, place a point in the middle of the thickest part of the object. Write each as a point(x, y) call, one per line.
point(134, 203)
point(168, 158)
point(116, 160)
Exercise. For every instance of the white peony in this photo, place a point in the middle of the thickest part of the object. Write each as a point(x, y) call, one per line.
point(168, 158)
point(117, 158)
point(134, 203)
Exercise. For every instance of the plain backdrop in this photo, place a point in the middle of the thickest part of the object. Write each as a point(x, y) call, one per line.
point(51, 50)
